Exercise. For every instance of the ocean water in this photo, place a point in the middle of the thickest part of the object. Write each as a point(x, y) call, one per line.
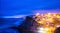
point(6, 23)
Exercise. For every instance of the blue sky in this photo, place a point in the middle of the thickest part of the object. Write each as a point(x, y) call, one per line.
point(15, 7)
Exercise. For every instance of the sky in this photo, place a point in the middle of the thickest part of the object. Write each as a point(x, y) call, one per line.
point(19, 7)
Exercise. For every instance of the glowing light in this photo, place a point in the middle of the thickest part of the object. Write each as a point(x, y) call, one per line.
point(58, 16)
point(46, 29)
point(49, 13)
point(41, 30)
point(58, 26)
point(40, 22)
point(54, 14)
point(49, 19)
point(37, 14)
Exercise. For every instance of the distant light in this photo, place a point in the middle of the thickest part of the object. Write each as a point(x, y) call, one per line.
point(49, 13)
point(58, 26)
point(46, 29)
point(37, 14)
point(41, 30)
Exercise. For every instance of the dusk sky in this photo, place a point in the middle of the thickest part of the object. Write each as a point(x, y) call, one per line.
point(19, 7)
